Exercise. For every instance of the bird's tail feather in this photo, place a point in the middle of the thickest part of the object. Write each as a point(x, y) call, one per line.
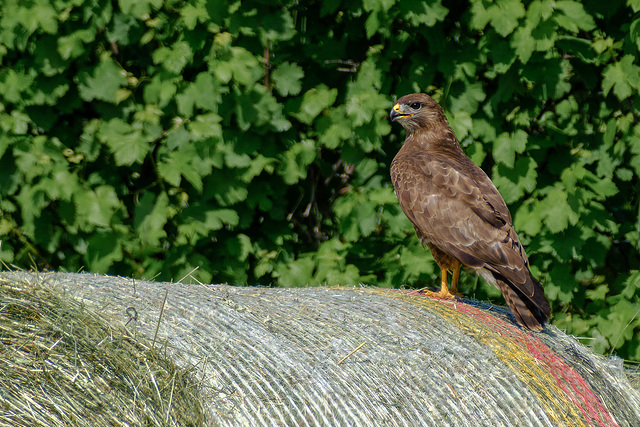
point(530, 311)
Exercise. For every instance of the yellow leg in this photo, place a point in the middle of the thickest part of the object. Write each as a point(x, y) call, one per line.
point(445, 292)
point(454, 279)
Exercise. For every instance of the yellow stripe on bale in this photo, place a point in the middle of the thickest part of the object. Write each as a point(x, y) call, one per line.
point(506, 341)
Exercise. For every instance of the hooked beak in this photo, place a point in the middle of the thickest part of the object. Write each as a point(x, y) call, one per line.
point(397, 112)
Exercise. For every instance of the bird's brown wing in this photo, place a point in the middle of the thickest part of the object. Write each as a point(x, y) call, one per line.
point(458, 209)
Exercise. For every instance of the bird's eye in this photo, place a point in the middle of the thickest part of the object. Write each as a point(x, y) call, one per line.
point(416, 105)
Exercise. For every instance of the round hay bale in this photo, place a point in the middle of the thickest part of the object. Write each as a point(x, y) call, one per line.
point(336, 356)
point(63, 365)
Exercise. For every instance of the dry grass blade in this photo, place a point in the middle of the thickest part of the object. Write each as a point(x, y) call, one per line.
point(61, 365)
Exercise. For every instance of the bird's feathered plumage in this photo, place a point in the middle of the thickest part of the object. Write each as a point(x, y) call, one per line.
point(457, 211)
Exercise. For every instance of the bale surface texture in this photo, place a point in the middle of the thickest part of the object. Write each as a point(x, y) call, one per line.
point(358, 356)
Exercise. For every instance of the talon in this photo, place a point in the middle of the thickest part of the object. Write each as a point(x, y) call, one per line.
point(445, 292)
point(442, 295)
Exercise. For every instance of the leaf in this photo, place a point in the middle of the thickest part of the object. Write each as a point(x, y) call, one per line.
point(72, 45)
point(461, 123)
point(514, 182)
point(177, 164)
point(556, 211)
point(574, 17)
point(502, 54)
point(151, 215)
point(603, 187)
point(372, 24)
point(178, 139)
point(606, 164)
point(624, 174)
point(161, 90)
point(423, 13)
point(506, 146)
point(38, 15)
point(258, 165)
point(615, 326)
point(314, 101)
point(257, 108)
point(383, 196)
point(595, 249)
point(139, 8)
point(103, 83)
point(206, 126)
point(97, 207)
point(205, 93)
point(103, 249)
point(381, 5)
point(540, 10)
point(295, 161)
point(583, 48)
point(570, 242)
point(173, 58)
point(361, 107)
point(415, 261)
point(527, 219)
point(599, 293)
point(483, 129)
point(334, 127)
point(631, 285)
point(287, 78)
point(89, 147)
point(552, 80)
point(469, 99)
point(376, 9)
point(278, 25)
point(296, 273)
point(228, 190)
point(199, 220)
point(566, 108)
point(237, 63)
point(240, 247)
point(364, 100)
point(236, 160)
point(124, 29)
point(523, 43)
point(128, 144)
point(563, 283)
point(623, 77)
point(332, 266)
point(476, 153)
point(356, 215)
point(634, 31)
point(502, 15)
point(13, 84)
point(194, 14)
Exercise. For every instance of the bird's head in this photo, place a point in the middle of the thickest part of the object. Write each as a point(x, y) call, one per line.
point(417, 110)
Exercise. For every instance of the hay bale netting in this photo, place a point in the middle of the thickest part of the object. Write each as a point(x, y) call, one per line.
point(64, 365)
point(355, 356)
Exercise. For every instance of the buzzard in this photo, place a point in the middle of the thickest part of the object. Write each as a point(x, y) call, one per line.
point(458, 212)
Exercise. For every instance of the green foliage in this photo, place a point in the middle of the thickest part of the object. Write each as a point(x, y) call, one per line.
point(249, 140)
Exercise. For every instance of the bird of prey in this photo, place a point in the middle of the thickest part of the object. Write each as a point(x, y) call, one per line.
point(458, 212)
